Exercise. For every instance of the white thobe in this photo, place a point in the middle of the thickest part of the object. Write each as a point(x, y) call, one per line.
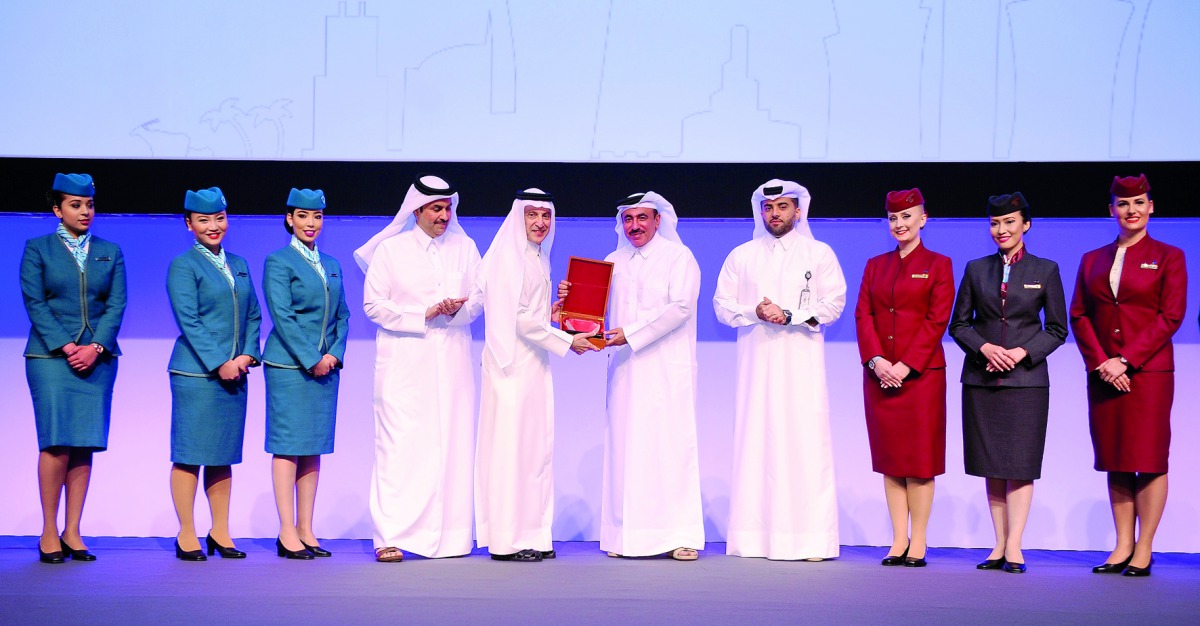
point(783, 501)
point(514, 473)
point(650, 502)
point(421, 484)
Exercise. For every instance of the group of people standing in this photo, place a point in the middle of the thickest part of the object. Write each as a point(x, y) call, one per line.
point(1010, 313)
point(444, 475)
point(75, 294)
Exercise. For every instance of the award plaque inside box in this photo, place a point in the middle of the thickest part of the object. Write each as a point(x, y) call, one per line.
point(587, 301)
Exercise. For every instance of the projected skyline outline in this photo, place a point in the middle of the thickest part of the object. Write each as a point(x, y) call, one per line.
point(614, 80)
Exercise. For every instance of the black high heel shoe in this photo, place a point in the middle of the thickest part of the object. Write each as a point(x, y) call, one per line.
point(189, 555)
point(1139, 571)
point(53, 558)
point(316, 550)
point(1112, 568)
point(299, 555)
point(76, 555)
point(1014, 568)
point(992, 564)
point(226, 553)
point(892, 561)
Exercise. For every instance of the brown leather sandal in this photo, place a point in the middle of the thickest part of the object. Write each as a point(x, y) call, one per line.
point(389, 555)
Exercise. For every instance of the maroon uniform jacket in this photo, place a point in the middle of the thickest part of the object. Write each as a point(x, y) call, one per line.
point(902, 312)
point(1139, 322)
point(903, 308)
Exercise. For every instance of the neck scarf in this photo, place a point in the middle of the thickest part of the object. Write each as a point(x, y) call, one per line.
point(78, 247)
point(217, 260)
point(312, 256)
point(1009, 261)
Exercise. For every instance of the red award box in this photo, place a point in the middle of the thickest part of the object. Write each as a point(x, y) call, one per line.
point(587, 301)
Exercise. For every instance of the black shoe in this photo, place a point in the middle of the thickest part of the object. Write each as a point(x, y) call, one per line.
point(549, 554)
point(892, 561)
point(1139, 571)
point(190, 555)
point(532, 556)
point(1112, 568)
point(299, 555)
point(316, 550)
point(915, 562)
point(226, 553)
point(76, 555)
point(1014, 568)
point(53, 558)
point(992, 564)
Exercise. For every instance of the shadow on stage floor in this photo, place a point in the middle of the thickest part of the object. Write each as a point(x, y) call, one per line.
point(138, 580)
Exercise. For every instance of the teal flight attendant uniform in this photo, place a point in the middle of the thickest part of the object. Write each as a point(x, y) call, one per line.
point(307, 302)
point(78, 300)
point(218, 317)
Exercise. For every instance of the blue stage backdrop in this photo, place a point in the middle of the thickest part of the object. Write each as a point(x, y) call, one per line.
point(129, 494)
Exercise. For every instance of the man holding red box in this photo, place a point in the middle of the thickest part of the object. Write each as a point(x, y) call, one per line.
point(651, 495)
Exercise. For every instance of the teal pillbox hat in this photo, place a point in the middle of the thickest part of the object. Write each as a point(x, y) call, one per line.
point(311, 199)
point(206, 201)
point(74, 185)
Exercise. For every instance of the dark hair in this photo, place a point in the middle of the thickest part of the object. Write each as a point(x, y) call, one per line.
point(1112, 198)
point(54, 197)
point(1024, 211)
point(291, 210)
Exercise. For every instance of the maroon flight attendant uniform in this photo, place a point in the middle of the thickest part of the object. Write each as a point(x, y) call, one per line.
point(1131, 432)
point(903, 308)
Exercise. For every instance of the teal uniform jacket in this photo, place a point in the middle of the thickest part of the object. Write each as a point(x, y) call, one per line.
point(216, 322)
point(69, 306)
point(310, 317)
point(310, 320)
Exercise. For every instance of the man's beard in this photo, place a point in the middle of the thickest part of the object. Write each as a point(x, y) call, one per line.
point(782, 229)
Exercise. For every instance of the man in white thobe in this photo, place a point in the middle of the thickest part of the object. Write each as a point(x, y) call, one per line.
point(779, 290)
point(514, 474)
point(650, 503)
point(419, 273)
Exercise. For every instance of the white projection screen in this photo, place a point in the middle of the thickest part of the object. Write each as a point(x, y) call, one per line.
point(603, 80)
point(701, 100)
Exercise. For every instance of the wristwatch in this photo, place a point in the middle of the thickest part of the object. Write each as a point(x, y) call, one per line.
point(1124, 361)
point(871, 363)
point(98, 348)
point(788, 317)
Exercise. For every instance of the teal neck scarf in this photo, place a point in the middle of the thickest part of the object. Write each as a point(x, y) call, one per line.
point(217, 260)
point(78, 247)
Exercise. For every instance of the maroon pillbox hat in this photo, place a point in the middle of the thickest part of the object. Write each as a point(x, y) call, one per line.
point(1129, 186)
point(905, 199)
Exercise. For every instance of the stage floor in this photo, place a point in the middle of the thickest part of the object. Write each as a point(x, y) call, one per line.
point(138, 581)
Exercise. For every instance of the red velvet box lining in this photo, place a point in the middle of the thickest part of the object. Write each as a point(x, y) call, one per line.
point(589, 287)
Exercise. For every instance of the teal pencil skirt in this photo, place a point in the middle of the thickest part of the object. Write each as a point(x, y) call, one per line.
point(71, 409)
point(208, 420)
point(301, 411)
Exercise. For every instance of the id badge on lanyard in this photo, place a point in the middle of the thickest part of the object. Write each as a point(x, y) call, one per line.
point(805, 294)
